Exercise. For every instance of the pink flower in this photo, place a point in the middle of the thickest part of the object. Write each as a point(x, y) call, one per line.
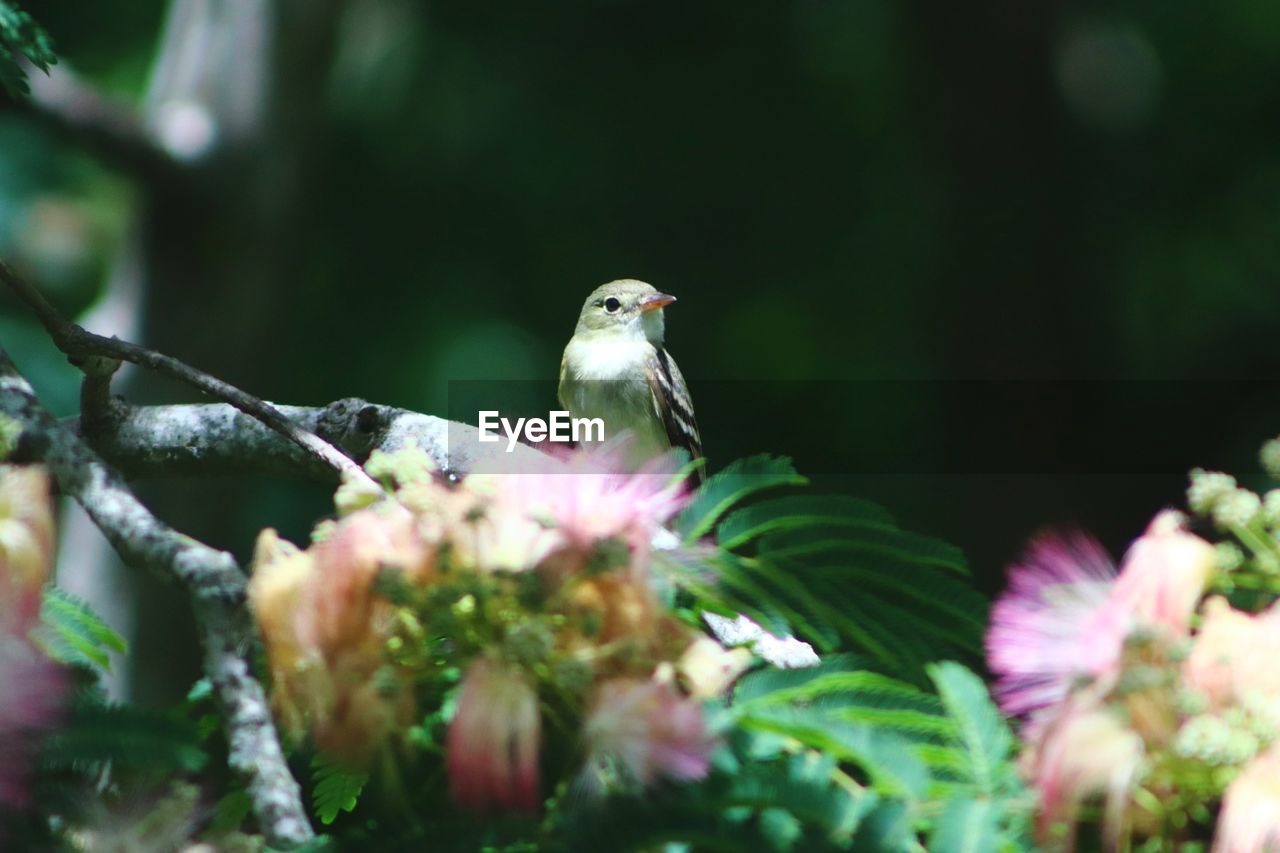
point(494, 739)
point(1250, 816)
point(1083, 750)
point(1064, 617)
point(1164, 574)
point(588, 497)
point(1235, 653)
point(640, 731)
point(32, 686)
point(26, 544)
point(1051, 626)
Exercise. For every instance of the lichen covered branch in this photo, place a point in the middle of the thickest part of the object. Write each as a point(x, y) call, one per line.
point(217, 587)
point(79, 345)
point(155, 441)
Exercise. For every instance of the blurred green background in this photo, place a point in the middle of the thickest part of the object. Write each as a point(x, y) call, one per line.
point(892, 228)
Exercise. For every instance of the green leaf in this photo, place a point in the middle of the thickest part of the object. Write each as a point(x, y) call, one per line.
point(73, 634)
point(781, 828)
point(336, 788)
point(966, 825)
point(982, 733)
point(803, 787)
point(894, 768)
point(834, 571)
point(727, 487)
point(230, 812)
point(797, 511)
point(887, 827)
point(885, 542)
point(21, 35)
point(124, 736)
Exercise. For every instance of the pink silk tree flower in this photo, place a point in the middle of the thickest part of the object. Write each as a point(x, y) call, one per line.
point(494, 740)
point(32, 689)
point(1164, 574)
point(32, 686)
point(26, 543)
point(1065, 614)
point(589, 496)
point(1083, 750)
point(639, 731)
point(1235, 654)
point(1250, 817)
point(1052, 626)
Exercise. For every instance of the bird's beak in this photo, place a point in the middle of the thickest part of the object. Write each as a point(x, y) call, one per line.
point(656, 300)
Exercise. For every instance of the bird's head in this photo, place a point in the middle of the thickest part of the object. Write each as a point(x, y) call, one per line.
point(625, 308)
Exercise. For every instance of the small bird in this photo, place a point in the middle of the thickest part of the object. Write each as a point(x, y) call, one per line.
point(616, 369)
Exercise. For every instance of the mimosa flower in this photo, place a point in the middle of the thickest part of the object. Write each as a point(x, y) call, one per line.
point(1052, 626)
point(494, 740)
point(639, 731)
point(1065, 615)
point(26, 542)
point(1235, 654)
point(588, 497)
point(325, 629)
point(32, 686)
point(1164, 575)
point(1250, 816)
point(1083, 751)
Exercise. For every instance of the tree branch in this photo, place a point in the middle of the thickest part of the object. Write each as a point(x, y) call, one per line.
point(79, 345)
point(166, 441)
point(217, 587)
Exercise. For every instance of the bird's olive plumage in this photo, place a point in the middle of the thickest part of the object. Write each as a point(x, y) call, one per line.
point(615, 368)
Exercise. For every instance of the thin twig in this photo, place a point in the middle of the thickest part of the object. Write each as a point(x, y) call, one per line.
point(217, 587)
point(78, 344)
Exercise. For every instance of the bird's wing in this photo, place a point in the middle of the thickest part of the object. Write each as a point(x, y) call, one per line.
point(674, 407)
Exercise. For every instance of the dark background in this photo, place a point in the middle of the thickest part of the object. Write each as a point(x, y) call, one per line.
point(998, 264)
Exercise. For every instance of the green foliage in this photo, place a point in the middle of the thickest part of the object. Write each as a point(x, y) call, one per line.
point(836, 571)
point(940, 766)
point(336, 788)
point(760, 798)
point(986, 804)
point(124, 737)
point(725, 488)
point(835, 756)
point(230, 812)
point(73, 633)
point(21, 35)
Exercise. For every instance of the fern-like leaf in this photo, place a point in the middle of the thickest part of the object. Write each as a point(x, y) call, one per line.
point(336, 788)
point(835, 571)
point(21, 36)
point(729, 486)
point(967, 825)
point(798, 511)
point(124, 736)
point(73, 633)
point(982, 734)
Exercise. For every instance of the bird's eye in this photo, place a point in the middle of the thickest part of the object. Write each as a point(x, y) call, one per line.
point(612, 305)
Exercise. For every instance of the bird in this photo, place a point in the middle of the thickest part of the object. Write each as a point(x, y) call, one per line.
point(616, 368)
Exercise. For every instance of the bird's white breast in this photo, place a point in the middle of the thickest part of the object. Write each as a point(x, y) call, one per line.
point(608, 359)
